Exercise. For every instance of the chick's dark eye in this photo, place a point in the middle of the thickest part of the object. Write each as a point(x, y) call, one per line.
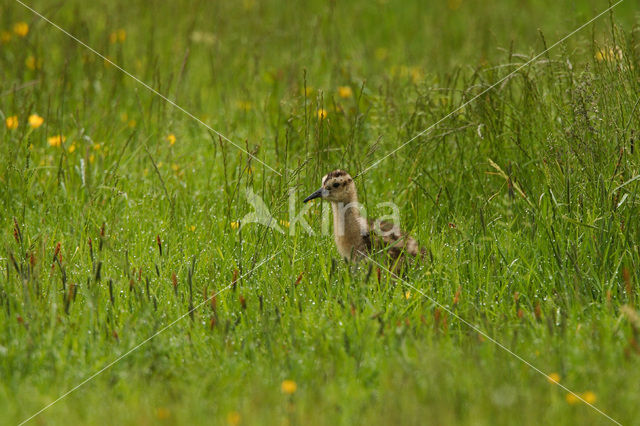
point(335, 185)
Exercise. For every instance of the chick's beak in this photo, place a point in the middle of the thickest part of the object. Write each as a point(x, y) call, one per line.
point(316, 194)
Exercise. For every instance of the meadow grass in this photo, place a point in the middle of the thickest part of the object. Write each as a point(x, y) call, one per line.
point(119, 213)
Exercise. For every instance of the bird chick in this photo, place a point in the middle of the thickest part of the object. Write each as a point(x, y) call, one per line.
point(356, 237)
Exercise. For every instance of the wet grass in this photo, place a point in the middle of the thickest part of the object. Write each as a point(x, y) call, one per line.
point(526, 200)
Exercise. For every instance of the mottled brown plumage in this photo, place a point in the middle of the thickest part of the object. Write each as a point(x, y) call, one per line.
point(392, 241)
point(356, 237)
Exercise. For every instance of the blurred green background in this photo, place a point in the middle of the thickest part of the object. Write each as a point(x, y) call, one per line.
point(120, 213)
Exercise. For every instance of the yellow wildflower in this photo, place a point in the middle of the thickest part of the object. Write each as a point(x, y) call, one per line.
point(5, 36)
point(35, 121)
point(233, 418)
point(589, 397)
point(289, 387)
point(12, 122)
point(407, 295)
point(345, 92)
point(122, 35)
point(192, 228)
point(610, 54)
point(96, 147)
point(571, 398)
point(72, 148)
point(600, 55)
point(322, 114)
point(171, 138)
point(113, 37)
point(56, 140)
point(285, 223)
point(31, 62)
point(163, 413)
point(553, 378)
point(234, 225)
point(175, 167)
point(21, 29)
point(92, 158)
point(131, 123)
point(307, 91)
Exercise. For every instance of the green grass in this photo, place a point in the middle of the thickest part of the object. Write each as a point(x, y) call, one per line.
point(525, 198)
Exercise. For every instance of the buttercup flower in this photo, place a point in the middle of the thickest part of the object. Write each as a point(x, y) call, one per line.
point(233, 418)
point(56, 140)
point(21, 29)
point(35, 121)
point(171, 138)
point(571, 398)
point(5, 36)
point(31, 62)
point(589, 397)
point(163, 413)
point(12, 122)
point(345, 92)
point(118, 36)
point(553, 378)
point(289, 387)
point(322, 114)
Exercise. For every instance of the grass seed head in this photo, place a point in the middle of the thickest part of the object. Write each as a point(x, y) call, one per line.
point(159, 243)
